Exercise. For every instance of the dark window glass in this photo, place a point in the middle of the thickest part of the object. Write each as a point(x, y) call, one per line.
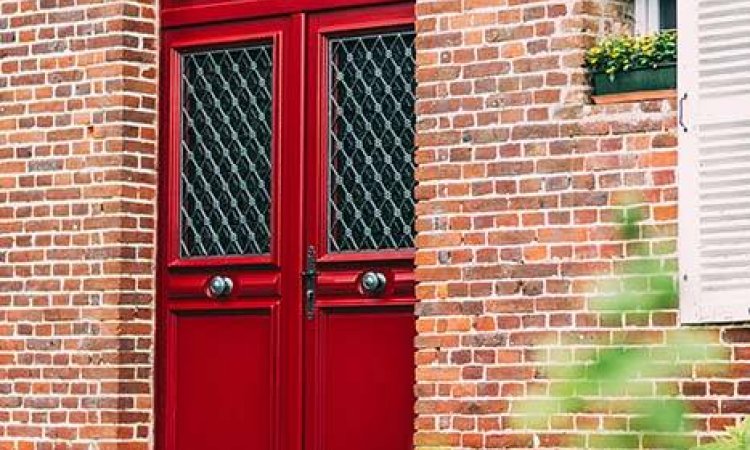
point(226, 151)
point(668, 14)
point(371, 142)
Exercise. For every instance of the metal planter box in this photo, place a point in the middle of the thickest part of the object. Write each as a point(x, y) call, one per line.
point(663, 77)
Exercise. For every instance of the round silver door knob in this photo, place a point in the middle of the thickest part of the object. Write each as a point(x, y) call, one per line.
point(220, 286)
point(373, 282)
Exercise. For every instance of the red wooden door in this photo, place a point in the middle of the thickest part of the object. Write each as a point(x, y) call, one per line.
point(286, 282)
point(360, 352)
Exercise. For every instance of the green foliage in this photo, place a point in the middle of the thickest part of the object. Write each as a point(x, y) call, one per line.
point(617, 54)
point(737, 438)
point(619, 375)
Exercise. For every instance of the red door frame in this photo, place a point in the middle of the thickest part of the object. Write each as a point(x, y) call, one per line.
point(278, 274)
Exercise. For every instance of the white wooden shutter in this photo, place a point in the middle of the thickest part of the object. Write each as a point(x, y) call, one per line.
point(714, 160)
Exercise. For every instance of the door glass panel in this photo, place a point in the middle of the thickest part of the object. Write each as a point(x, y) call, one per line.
point(226, 151)
point(371, 142)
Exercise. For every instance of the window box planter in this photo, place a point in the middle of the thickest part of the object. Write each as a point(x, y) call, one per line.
point(662, 78)
point(633, 68)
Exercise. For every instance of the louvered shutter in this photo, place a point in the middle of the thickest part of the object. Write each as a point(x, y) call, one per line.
point(714, 160)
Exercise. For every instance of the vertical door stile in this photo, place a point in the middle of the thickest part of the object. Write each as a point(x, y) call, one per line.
point(292, 244)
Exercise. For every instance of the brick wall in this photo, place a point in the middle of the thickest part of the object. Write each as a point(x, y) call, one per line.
point(77, 186)
point(521, 183)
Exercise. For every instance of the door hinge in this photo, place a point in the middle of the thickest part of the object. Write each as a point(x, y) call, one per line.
point(309, 280)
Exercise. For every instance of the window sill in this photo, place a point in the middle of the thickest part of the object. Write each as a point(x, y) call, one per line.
point(634, 97)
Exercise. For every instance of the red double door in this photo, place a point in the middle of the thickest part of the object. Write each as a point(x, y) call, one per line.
point(286, 272)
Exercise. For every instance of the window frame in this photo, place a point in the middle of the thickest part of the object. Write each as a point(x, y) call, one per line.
point(648, 16)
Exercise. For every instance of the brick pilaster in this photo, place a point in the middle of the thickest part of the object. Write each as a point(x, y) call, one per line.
point(77, 218)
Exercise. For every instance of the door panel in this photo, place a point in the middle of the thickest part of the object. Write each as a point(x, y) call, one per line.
point(368, 366)
point(370, 127)
point(225, 150)
point(361, 125)
point(223, 377)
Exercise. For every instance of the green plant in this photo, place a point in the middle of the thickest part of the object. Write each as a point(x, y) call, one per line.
point(619, 376)
point(617, 54)
point(737, 438)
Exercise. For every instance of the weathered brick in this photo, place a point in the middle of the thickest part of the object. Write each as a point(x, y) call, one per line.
point(53, 182)
point(540, 217)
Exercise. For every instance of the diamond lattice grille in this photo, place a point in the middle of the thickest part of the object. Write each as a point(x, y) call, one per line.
point(371, 142)
point(226, 151)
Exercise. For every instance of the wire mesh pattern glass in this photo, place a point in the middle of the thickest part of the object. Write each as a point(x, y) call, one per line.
point(226, 146)
point(371, 142)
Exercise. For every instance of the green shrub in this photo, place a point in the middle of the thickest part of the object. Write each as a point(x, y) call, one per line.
point(737, 438)
point(617, 54)
point(619, 376)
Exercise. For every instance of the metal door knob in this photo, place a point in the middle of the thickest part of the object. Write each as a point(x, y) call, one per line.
point(373, 282)
point(220, 286)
